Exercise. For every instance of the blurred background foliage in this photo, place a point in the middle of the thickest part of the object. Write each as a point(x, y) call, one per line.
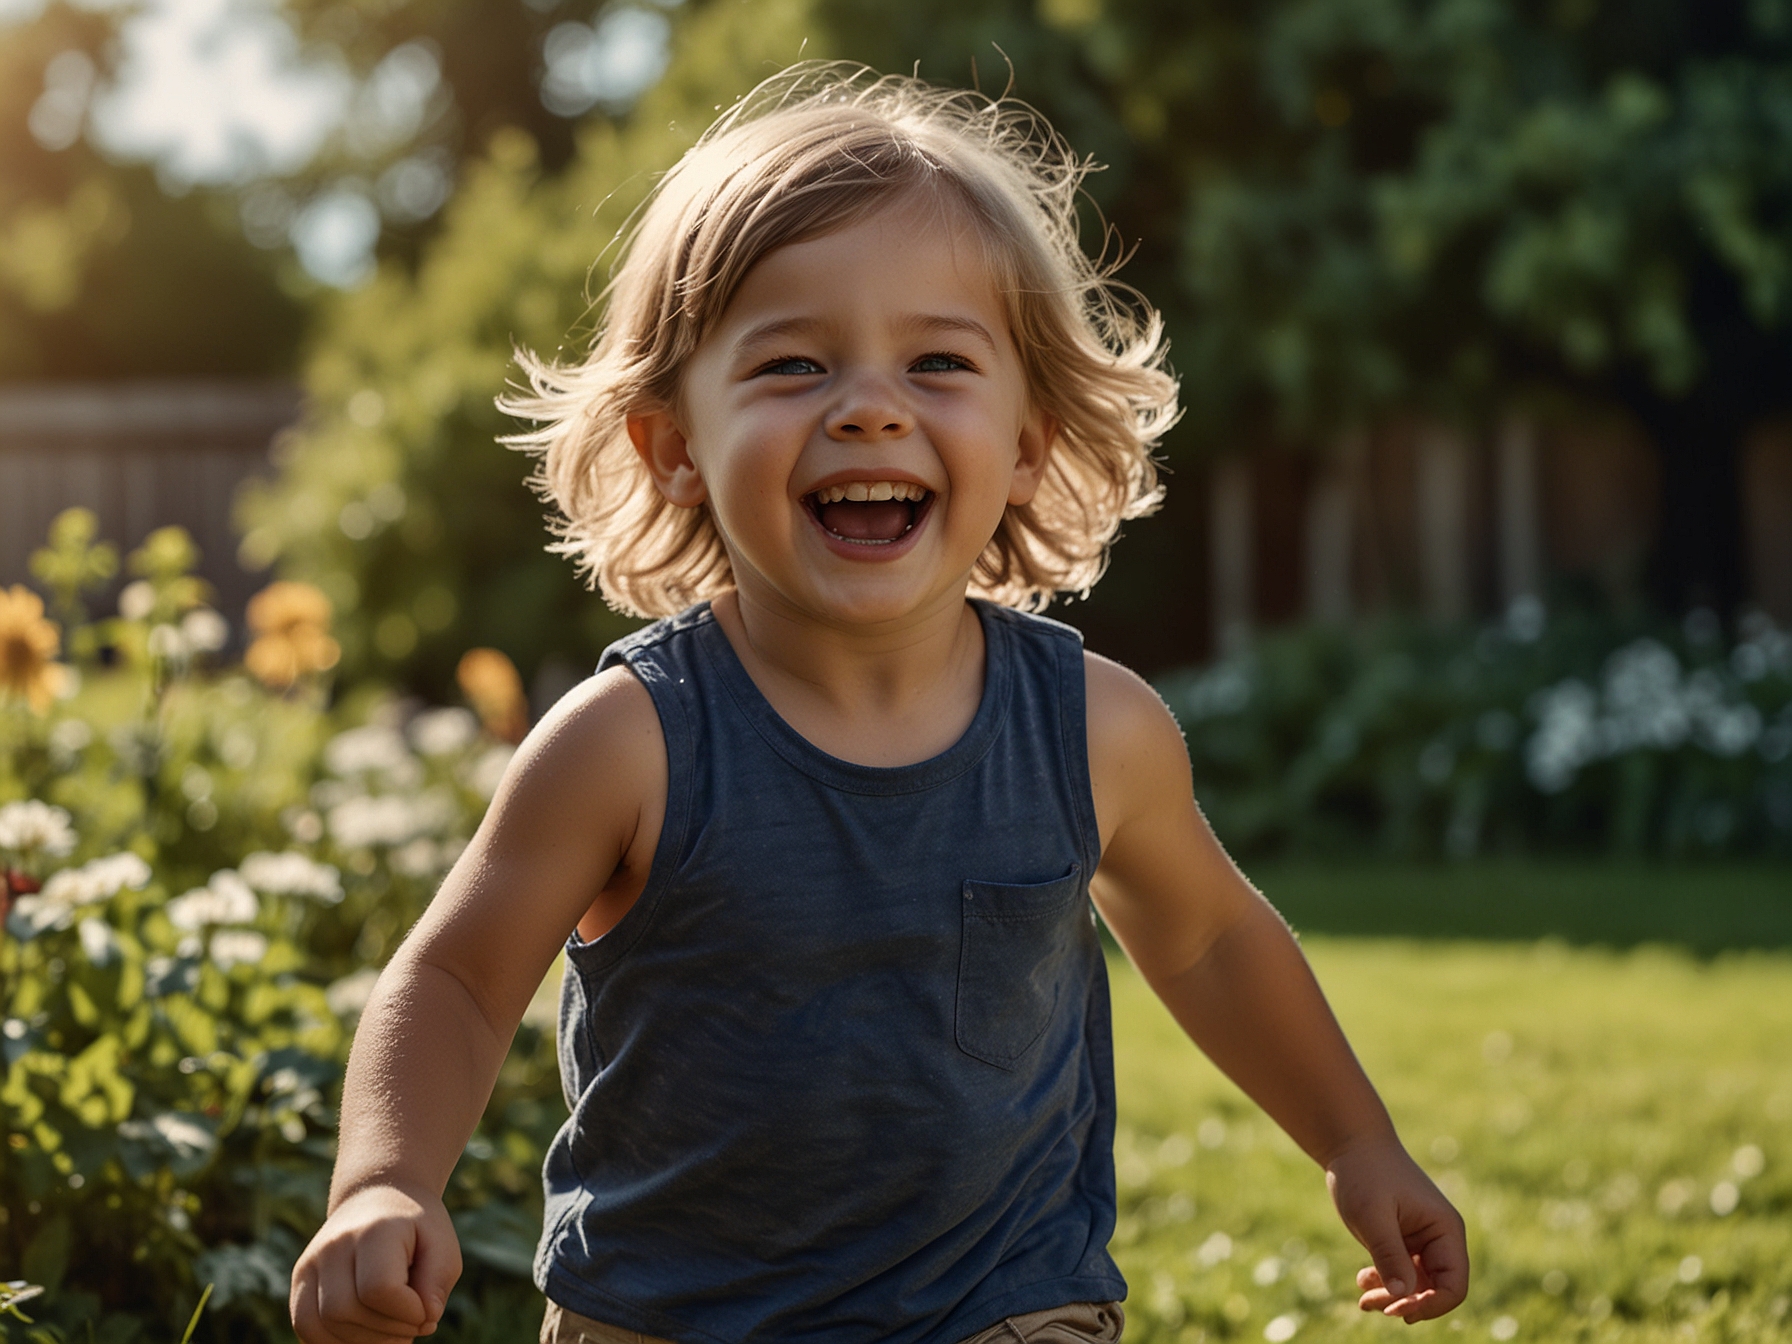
point(1531, 735)
point(394, 496)
point(104, 274)
point(1346, 208)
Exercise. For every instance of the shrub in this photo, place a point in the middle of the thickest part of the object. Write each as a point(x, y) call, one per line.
point(1534, 733)
point(200, 876)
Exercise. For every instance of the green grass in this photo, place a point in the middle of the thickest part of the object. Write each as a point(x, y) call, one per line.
point(1592, 1112)
point(1705, 908)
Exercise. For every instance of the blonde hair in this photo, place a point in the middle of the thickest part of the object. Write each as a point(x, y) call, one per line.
point(811, 151)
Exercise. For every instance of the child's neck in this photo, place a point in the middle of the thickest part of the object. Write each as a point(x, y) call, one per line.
point(883, 696)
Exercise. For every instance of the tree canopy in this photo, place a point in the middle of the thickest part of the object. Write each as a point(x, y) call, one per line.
point(103, 273)
point(1349, 204)
point(1346, 209)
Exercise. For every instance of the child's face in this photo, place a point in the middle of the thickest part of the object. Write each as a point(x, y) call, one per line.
point(857, 421)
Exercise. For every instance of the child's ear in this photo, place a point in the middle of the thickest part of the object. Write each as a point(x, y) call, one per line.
point(1033, 452)
point(667, 455)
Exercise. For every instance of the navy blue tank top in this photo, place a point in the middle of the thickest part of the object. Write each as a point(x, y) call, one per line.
point(843, 1072)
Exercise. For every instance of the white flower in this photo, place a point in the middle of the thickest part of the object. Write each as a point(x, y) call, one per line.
point(137, 600)
point(1567, 735)
point(1729, 730)
point(98, 943)
point(421, 857)
point(357, 823)
point(441, 732)
point(36, 828)
point(226, 899)
point(233, 947)
point(32, 915)
point(304, 825)
point(1214, 1250)
point(373, 749)
point(1642, 693)
point(97, 880)
point(349, 995)
point(70, 737)
point(292, 874)
point(204, 630)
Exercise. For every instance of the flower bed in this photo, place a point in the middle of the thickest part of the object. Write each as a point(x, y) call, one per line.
point(1530, 735)
point(202, 872)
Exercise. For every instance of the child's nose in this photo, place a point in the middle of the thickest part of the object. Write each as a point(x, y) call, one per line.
point(869, 414)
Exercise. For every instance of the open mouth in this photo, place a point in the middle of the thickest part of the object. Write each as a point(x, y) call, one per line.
point(870, 513)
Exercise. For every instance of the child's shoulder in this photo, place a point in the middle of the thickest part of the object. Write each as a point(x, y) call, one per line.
point(624, 651)
point(600, 745)
point(1137, 756)
point(1123, 706)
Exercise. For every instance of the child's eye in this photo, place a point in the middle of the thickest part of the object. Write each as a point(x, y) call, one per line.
point(791, 365)
point(940, 362)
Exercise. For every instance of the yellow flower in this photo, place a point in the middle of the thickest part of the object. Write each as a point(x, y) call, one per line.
point(28, 643)
point(291, 622)
point(490, 682)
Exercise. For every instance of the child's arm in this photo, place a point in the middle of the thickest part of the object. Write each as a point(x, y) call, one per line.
point(575, 817)
point(1231, 974)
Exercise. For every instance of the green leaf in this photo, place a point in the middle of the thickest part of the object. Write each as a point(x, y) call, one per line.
point(94, 1088)
point(81, 1003)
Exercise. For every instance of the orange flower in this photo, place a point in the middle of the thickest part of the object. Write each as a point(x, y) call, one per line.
point(28, 643)
point(490, 682)
point(291, 622)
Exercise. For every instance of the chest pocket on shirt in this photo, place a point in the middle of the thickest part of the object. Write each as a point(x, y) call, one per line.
point(1018, 941)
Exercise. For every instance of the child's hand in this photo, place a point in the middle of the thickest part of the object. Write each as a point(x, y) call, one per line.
point(1414, 1234)
point(377, 1272)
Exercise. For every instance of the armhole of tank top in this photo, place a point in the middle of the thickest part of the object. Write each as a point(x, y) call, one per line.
point(1073, 713)
point(598, 956)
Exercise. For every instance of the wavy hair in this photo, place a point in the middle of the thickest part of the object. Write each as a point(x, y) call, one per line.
point(815, 149)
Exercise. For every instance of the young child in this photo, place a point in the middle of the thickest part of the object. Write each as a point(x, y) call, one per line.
point(820, 847)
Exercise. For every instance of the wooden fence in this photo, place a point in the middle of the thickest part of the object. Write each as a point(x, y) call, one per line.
point(141, 456)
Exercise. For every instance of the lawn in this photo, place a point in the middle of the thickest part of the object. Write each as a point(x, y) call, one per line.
point(1616, 1126)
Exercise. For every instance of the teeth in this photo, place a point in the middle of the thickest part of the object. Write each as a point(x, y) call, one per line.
point(863, 491)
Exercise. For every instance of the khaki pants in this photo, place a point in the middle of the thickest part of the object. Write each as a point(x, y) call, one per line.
point(1075, 1323)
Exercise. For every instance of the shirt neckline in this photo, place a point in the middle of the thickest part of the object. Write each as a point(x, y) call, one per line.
point(850, 776)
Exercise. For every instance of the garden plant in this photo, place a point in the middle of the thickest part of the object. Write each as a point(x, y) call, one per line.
point(1596, 733)
point(204, 863)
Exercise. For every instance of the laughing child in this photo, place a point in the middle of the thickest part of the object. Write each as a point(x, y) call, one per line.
point(820, 844)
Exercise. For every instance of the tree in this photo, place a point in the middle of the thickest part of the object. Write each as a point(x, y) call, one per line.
point(395, 496)
point(1348, 206)
point(102, 274)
